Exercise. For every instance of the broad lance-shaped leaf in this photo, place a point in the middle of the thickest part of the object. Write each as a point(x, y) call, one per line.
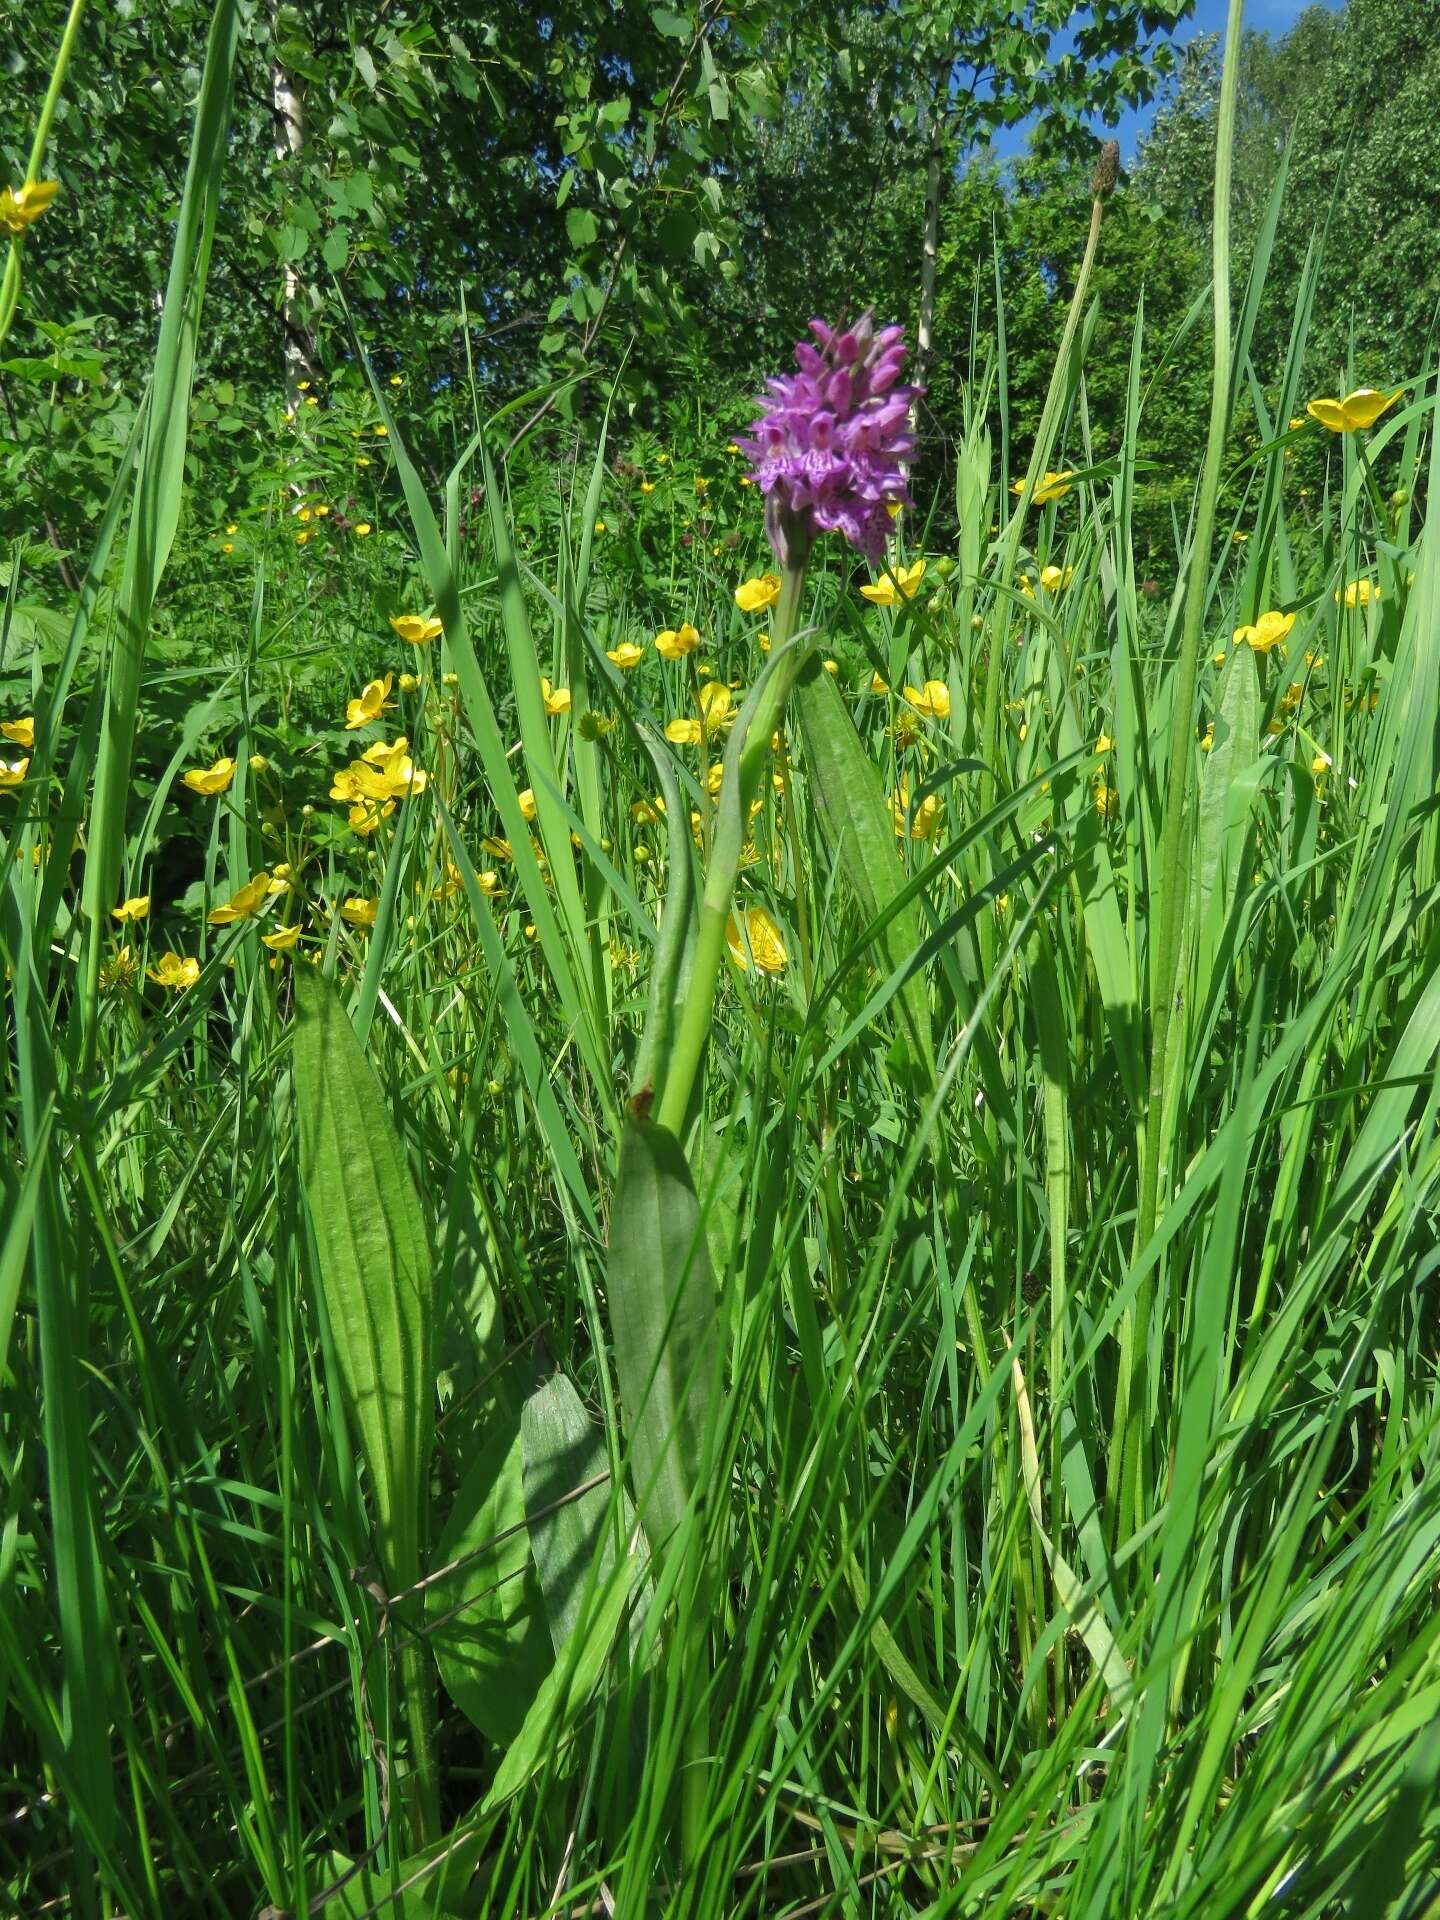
point(485, 1620)
point(576, 1537)
point(374, 1264)
point(555, 1712)
point(858, 825)
point(664, 1317)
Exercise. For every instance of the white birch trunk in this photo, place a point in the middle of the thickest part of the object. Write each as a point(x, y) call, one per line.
point(288, 110)
point(930, 242)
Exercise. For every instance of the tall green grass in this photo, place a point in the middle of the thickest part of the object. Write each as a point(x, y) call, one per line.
point(970, 1452)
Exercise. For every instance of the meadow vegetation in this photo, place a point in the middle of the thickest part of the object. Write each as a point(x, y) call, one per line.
point(722, 1121)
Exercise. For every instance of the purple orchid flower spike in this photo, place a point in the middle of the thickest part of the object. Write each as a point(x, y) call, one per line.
point(829, 448)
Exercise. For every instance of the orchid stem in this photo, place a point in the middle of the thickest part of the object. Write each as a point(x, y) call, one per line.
point(742, 778)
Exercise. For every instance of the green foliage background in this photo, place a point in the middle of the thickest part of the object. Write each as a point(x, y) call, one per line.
point(621, 190)
point(973, 1450)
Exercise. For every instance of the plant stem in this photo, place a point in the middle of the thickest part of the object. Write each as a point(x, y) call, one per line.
point(1182, 746)
point(742, 776)
point(10, 286)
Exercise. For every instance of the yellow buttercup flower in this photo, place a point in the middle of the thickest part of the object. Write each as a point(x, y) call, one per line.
point(175, 971)
point(1267, 632)
point(647, 486)
point(1051, 486)
point(345, 784)
point(119, 971)
point(362, 528)
point(905, 581)
point(684, 733)
point(365, 816)
point(249, 899)
point(877, 685)
point(1357, 593)
point(401, 773)
point(527, 804)
point(557, 699)
point(1321, 764)
point(407, 682)
point(384, 774)
point(12, 772)
point(1356, 411)
point(417, 628)
point(359, 912)
point(373, 699)
point(926, 818)
point(766, 945)
point(21, 207)
point(135, 908)
point(717, 705)
point(282, 939)
point(211, 779)
point(1107, 800)
point(22, 732)
point(626, 656)
point(674, 643)
point(933, 699)
point(754, 595)
point(1056, 579)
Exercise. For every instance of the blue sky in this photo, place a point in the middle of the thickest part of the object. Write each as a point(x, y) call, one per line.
point(1267, 16)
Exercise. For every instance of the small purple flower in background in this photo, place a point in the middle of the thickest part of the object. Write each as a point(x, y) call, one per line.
point(829, 447)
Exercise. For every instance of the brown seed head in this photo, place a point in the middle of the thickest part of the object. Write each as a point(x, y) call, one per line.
point(1107, 171)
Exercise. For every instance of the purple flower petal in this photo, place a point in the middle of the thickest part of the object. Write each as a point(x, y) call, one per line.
point(829, 447)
